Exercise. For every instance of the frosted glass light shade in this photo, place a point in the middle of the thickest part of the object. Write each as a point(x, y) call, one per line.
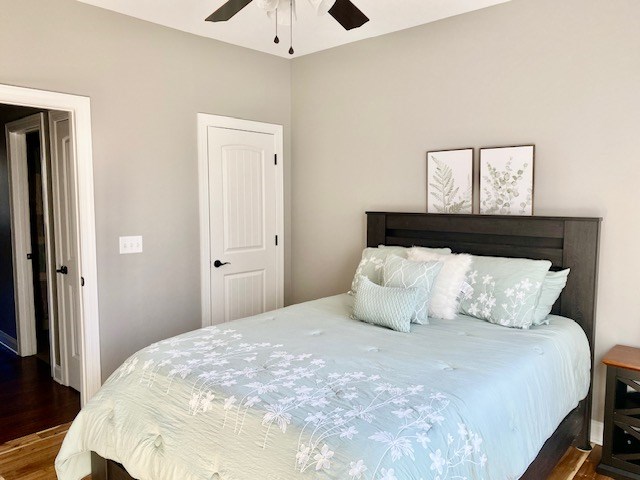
point(322, 6)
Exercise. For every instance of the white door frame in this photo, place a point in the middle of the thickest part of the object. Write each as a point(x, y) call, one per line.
point(80, 109)
point(205, 121)
point(20, 226)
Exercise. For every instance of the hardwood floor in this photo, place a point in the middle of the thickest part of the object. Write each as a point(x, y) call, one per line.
point(32, 457)
point(31, 401)
point(577, 465)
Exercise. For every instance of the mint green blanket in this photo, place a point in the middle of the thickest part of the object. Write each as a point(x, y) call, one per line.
point(306, 392)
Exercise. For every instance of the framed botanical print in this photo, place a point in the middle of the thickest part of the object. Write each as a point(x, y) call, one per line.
point(450, 181)
point(506, 180)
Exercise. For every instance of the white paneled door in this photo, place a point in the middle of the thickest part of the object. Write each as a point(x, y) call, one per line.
point(245, 216)
point(68, 278)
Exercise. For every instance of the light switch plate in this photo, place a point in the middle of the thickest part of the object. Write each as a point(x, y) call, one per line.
point(131, 244)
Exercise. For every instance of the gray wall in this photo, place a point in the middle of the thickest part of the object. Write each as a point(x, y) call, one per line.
point(563, 75)
point(146, 84)
point(8, 113)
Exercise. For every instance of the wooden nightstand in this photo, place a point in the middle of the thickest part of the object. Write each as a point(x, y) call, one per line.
point(621, 441)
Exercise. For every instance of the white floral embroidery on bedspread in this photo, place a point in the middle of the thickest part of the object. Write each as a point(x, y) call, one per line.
point(284, 388)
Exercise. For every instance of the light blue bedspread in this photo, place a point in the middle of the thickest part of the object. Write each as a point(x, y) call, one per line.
point(306, 392)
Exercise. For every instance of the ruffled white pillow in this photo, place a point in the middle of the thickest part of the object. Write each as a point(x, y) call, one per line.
point(445, 295)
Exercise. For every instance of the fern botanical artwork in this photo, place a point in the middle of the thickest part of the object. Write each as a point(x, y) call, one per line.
point(450, 181)
point(506, 180)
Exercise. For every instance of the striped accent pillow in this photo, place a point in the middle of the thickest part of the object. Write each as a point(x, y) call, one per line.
point(385, 306)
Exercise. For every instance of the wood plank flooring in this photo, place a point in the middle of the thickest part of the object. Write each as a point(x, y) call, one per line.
point(577, 465)
point(31, 458)
point(31, 401)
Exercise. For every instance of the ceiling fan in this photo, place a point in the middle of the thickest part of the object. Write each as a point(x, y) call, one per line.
point(343, 11)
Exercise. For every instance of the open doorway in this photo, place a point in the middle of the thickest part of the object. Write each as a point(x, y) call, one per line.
point(70, 122)
point(34, 357)
point(44, 236)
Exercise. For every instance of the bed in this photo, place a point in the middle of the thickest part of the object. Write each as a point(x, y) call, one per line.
point(307, 392)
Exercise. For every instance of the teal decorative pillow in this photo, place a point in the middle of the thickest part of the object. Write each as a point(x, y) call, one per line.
point(552, 287)
point(398, 272)
point(373, 260)
point(504, 291)
point(385, 306)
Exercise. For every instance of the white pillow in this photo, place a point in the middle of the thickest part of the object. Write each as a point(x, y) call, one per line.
point(443, 251)
point(448, 285)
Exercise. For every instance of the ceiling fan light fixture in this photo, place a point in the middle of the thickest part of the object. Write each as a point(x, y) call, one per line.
point(267, 5)
point(343, 11)
point(322, 6)
point(285, 12)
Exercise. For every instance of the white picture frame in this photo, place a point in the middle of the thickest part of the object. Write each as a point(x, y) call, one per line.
point(507, 180)
point(450, 181)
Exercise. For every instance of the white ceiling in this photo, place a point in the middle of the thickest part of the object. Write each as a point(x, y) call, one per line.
point(252, 28)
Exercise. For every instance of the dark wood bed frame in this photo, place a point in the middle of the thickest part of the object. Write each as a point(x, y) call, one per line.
point(569, 242)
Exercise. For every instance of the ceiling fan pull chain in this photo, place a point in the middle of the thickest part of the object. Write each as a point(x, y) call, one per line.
point(276, 40)
point(291, 51)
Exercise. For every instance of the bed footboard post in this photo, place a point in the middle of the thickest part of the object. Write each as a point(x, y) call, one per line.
point(98, 467)
point(583, 442)
point(580, 250)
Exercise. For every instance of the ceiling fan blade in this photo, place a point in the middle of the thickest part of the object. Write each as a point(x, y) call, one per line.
point(228, 10)
point(347, 14)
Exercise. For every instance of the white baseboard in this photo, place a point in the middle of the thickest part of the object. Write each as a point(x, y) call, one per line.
point(9, 342)
point(597, 430)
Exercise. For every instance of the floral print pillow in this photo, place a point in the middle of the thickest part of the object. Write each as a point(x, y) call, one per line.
point(373, 260)
point(504, 291)
point(398, 272)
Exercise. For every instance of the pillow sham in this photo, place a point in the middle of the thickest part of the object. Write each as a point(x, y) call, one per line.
point(552, 286)
point(373, 259)
point(398, 272)
point(446, 289)
point(504, 291)
point(385, 306)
